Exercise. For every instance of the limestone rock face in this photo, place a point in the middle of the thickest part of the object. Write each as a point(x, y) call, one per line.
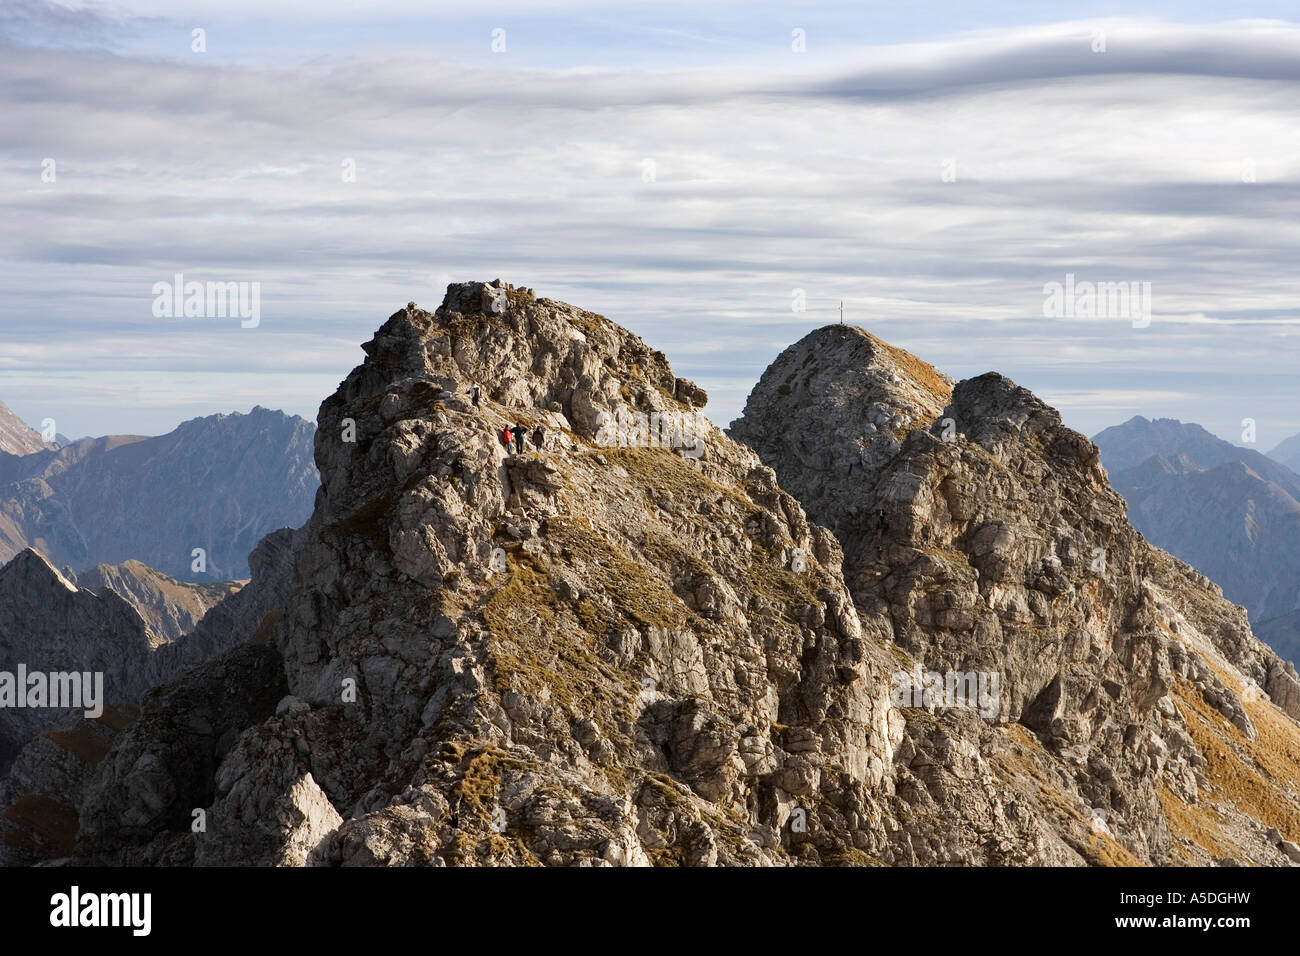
point(645, 677)
point(17, 437)
point(834, 408)
point(986, 538)
point(626, 649)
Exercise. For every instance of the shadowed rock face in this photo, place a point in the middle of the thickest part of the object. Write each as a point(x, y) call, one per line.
point(127, 622)
point(219, 483)
point(621, 651)
point(985, 537)
point(49, 624)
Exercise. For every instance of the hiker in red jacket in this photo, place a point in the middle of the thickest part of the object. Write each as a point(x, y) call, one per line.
point(508, 439)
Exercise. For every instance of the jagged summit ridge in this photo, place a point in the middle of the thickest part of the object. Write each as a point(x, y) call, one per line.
point(613, 652)
point(610, 652)
point(527, 352)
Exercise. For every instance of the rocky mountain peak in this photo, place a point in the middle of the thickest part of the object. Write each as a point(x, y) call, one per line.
point(30, 567)
point(19, 438)
point(837, 403)
point(525, 352)
point(628, 647)
point(1128, 445)
point(984, 537)
point(48, 625)
point(991, 408)
point(633, 645)
point(839, 367)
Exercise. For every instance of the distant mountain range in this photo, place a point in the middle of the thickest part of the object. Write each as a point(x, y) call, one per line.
point(1288, 453)
point(170, 608)
point(1231, 512)
point(218, 484)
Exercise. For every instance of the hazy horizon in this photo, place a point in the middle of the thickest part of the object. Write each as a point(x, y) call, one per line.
point(35, 425)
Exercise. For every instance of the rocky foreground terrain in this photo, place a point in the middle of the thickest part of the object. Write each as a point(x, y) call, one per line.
point(123, 621)
point(656, 643)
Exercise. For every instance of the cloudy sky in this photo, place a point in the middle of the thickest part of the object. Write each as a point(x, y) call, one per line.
point(682, 168)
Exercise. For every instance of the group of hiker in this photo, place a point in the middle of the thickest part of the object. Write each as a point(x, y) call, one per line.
point(514, 436)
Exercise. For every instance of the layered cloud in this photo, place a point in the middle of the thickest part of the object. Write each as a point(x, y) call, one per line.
point(935, 188)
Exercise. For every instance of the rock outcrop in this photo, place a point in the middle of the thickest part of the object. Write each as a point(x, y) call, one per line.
point(17, 437)
point(216, 485)
point(626, 649)
point(47, 623)
point(985, 538)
